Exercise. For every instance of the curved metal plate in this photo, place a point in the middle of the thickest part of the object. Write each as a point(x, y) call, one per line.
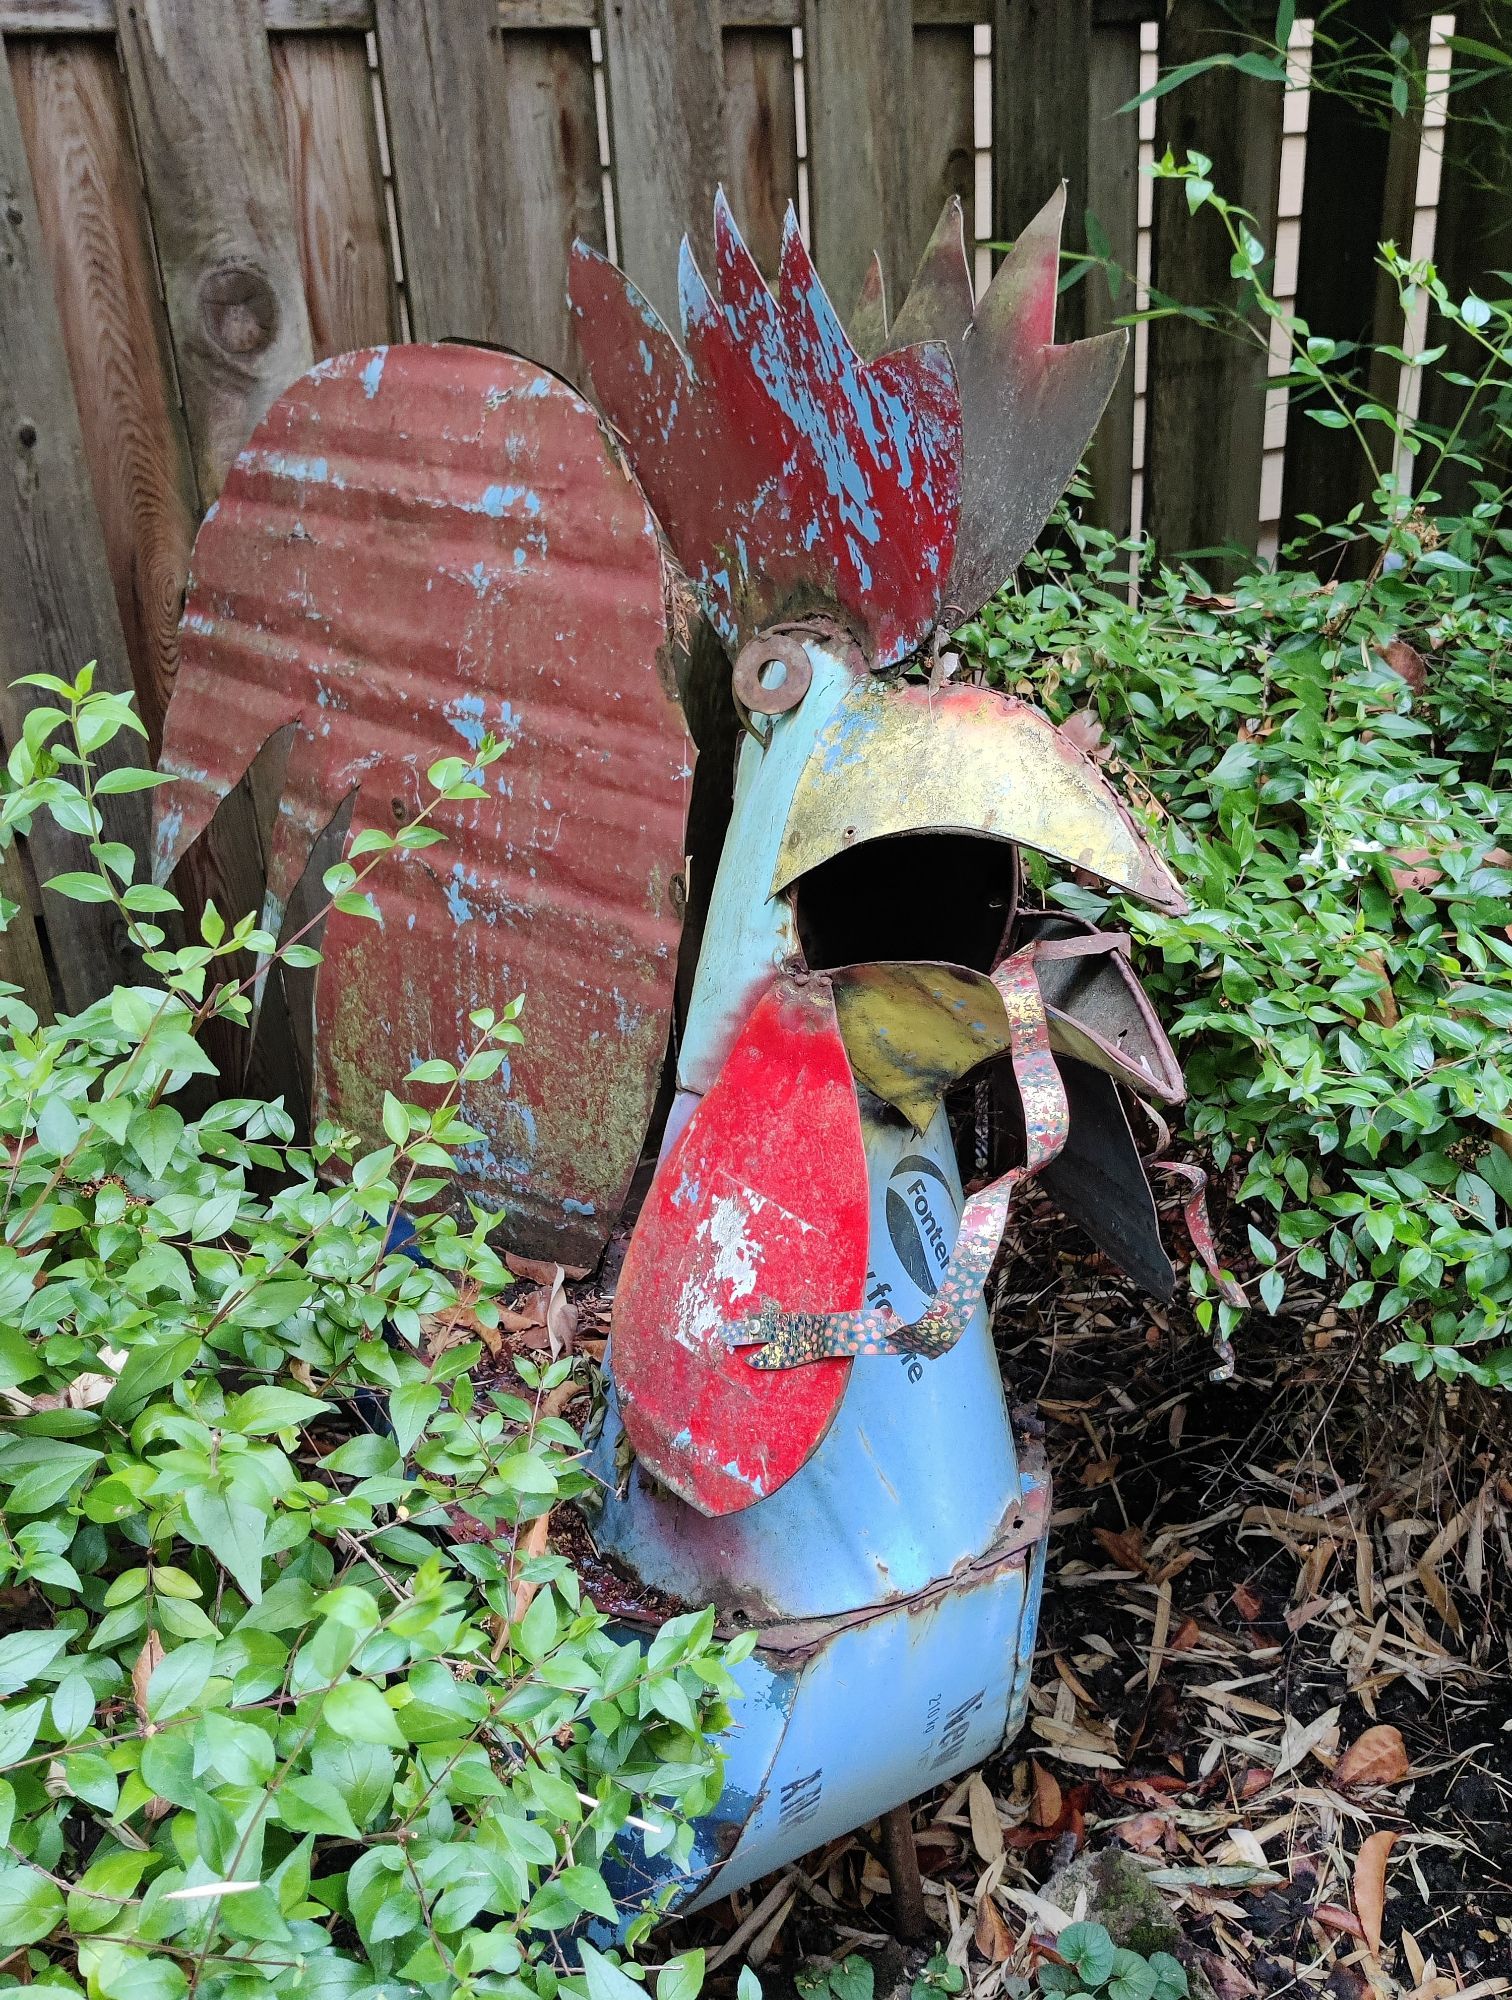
point(763, 1194)
point(420, 545)
point(903, 758)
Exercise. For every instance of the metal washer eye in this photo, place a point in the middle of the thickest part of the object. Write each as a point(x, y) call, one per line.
point(771, 697)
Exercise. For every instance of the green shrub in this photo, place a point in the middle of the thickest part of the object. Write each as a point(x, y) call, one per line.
point(1089, 1966)
point(1330, 767)
point(266, 1727)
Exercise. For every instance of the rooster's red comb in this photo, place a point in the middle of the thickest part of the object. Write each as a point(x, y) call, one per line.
point(789, 475)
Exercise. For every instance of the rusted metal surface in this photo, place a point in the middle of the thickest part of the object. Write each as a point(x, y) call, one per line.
point(1099, 1011)
point(1099, 1181)
point(420, 546)
point(765, 1192)
point(969, 760)
point(789, 475)
point(772, 673)
point(1028, 407)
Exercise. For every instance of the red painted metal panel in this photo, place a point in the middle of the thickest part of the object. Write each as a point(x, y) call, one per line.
point(790, 476)
point(420, 545)
point(764, 1195)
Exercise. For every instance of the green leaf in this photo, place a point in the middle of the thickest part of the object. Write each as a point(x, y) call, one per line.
point(24, 1655)
point(233, 1532)
point(1171, 1981)
point(313, 1805)
point(155, 1136)
point(1133, 1977)
point(589, 1891)
point(358, 1710)
point(1089, 1951)
point(30, 1907)
point(179, 1679)
point(109, 783)
point(266, 1409)
point(79, 887)
point(604, 1978)
point(18, 1731)
point(681, 1978)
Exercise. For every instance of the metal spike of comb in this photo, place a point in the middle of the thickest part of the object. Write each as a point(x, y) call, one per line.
point(790, 475)
point(1028, 407)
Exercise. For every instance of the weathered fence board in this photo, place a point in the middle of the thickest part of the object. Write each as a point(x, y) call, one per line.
point(325, 102)
point(57, 607)
point(664, 71)
point(944, 132)
point(761, 135)
point(201, 87)
point(556, 190)
point(1041, 57)
point(1206, 408)
point(1113, 199)
point(1345, 215)
point(858, 79)
point(443, 90)
point(1474, 234)
point(100, 259)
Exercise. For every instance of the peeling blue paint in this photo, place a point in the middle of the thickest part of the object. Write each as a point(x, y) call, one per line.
point(372, 374)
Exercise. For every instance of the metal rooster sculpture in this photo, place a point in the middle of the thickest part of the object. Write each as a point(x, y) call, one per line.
point(806, 1424)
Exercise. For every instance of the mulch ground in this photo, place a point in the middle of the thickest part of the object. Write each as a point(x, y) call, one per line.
point(1274, 1664)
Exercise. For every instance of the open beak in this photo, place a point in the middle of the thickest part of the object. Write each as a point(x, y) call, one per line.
point(900, 853)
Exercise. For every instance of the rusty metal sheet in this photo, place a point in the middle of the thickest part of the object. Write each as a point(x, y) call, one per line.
point(763, 1195)
point(1104, 1015)
point(421, 545)
point(1028, 406)
point(789, 475)
point(1098, 1181)
point(894, 759)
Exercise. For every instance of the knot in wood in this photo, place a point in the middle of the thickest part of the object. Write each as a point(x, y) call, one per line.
point(239, 309)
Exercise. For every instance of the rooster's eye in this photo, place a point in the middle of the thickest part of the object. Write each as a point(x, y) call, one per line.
point(772, 673)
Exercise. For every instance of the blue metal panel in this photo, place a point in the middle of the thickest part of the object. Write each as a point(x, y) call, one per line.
point(915, 1475)
point(749, 932)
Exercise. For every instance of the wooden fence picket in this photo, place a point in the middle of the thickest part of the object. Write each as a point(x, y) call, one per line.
point(442, 66)
point(761, 135)
point(858, 86)
point(324, 93)
point(664, 72)
point(1205, 435)
point(57, 607)
point(556, 189)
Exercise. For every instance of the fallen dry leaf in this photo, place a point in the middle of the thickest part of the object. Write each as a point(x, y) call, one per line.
point(1408, 662)
point(561, 1316)
point(1125, 1546)
point(1086, 732)
point(986, 1827)
point(541, 1271)
point(1370, 1886)
point(1246, 1603)
point(1185, 1637)
point(1332, 1918)
point(1047, 1805)
point(1383, 1008)
point(141, 1674)
point(1378, 1757)
point(992, 1936)
point(1146, 1833)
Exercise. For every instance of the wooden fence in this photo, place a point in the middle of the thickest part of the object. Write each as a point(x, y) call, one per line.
point(198, 198)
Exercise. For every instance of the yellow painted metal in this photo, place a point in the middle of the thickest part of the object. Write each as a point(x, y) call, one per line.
point(901, 759)
point(912, 1030)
